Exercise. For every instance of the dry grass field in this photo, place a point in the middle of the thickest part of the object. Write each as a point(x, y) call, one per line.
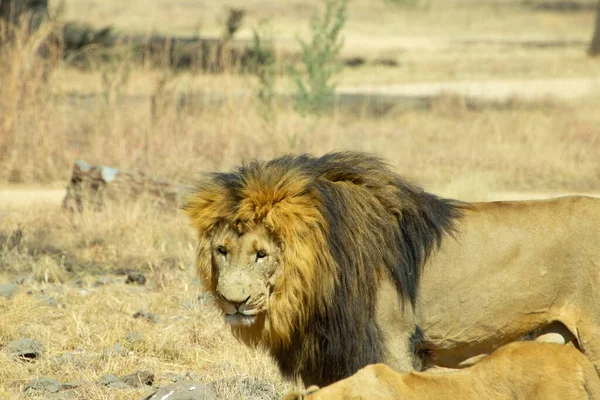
point(72, 294)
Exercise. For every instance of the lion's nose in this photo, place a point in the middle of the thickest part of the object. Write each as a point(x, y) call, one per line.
point(236, 300)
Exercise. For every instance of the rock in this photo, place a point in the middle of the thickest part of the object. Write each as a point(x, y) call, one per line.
point(28, 349)
point(113, 382)
point(102, 281)
point(138, 379)
point(355, 61)
point(42, 386)
point(71, 385)
point(135, 380)
point(77, 360)
point(174, 378)
point(187, 390)
point(117, 350)
point(8, 290)
point(136, 277)
point(150, 316)
point(190, 376)
point(51, 300)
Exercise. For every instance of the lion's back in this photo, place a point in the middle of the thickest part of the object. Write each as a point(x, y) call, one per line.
point(543, 371)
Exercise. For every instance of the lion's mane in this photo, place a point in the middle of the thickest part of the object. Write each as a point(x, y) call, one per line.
point(342, 220)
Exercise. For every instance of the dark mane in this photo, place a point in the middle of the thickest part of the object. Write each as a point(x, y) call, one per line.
point(419, 219)
point(374, 217)
point(376, 223)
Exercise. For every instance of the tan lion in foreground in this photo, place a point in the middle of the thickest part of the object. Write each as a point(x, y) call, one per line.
point(519, 370)
point(336, 262)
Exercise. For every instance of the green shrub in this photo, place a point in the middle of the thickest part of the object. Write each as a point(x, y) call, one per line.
point(314, 84)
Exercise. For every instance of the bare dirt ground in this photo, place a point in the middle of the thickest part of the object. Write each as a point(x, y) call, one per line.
point(498, 90)
point(16, 197)
point(26, 197)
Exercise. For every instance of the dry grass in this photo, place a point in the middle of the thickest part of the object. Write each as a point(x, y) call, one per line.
point(45, 128)
point(450, 148)
point(70, 259)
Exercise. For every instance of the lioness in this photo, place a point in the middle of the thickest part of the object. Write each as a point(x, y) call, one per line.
point(336, 262)
point(519, 370)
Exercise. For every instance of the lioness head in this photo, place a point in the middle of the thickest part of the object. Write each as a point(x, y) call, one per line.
point(245, 266)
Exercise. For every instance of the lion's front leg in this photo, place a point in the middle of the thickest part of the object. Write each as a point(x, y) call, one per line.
point(402, 339)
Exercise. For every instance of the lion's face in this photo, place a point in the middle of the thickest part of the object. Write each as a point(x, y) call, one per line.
point(244, 267)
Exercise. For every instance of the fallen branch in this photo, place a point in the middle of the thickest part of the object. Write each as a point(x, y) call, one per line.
point(92, 186)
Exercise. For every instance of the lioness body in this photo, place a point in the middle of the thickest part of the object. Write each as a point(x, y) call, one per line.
point(521, 370)
point(335, 263)
point(536, 262)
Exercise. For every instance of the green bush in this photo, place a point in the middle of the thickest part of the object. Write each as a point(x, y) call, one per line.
point(314, 84)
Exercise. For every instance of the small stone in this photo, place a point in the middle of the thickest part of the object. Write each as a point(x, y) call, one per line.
point(108, 379)
point(42, 385)
point(51, 300)
point(187, 390)
point(191, 375)
point(77, 360)
point(150, 316)
point(102, 281)
point(8, 290)
point(136, 277)
point(113, 382)
point(71, 385)
point(117, 350)
point(28, 349)
point(138, 379)
point(174, 378)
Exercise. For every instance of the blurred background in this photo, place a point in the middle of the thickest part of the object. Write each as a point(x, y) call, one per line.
point(498, 94)
point(470, 99)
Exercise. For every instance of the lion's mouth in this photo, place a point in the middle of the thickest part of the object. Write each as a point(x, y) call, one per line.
point(239, 319)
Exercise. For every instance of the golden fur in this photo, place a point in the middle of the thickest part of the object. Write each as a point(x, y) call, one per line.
point(520, 370)
point(334, 263)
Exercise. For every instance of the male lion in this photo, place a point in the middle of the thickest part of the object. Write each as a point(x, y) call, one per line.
point(519, 370)
point(334, 263)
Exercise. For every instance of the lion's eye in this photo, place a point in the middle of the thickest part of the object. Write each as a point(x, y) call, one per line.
point(261, 254)
point(222, 250)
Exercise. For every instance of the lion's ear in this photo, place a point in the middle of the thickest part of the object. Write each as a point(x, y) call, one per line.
point(206, 207)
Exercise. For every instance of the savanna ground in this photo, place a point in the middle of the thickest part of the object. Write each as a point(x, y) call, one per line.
point(520, 149)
